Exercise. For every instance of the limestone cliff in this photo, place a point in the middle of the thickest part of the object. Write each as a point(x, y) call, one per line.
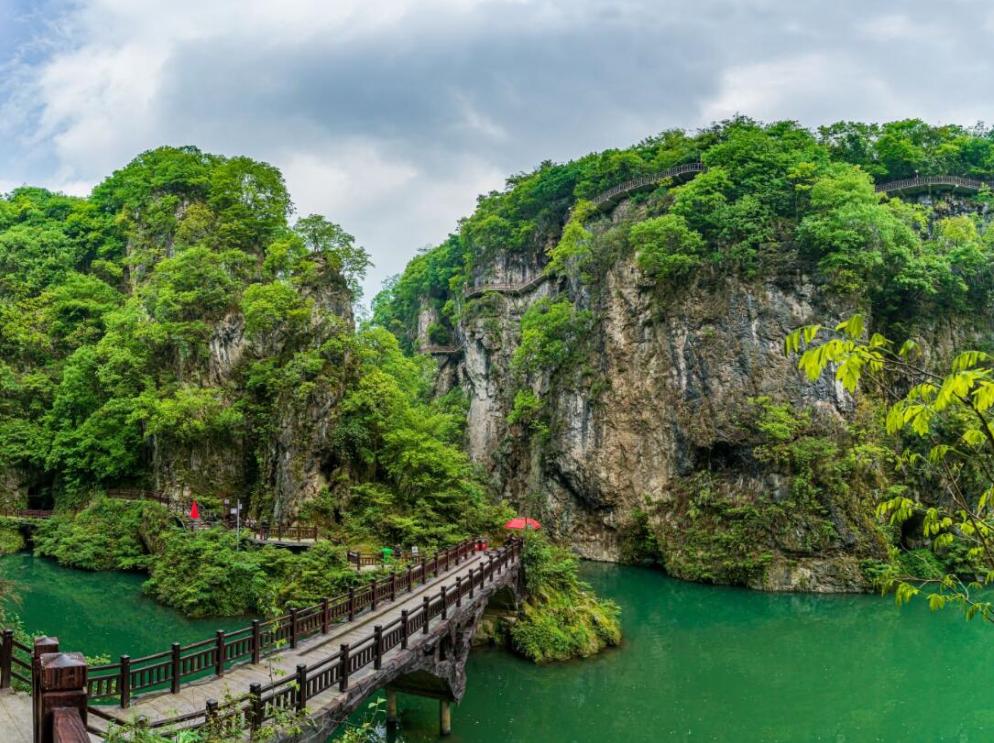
point(652, 445)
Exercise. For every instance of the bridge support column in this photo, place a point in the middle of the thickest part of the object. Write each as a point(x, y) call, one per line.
point(392, 718)
point(444, 717)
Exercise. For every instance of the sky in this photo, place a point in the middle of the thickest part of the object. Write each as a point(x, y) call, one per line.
point(391, 116)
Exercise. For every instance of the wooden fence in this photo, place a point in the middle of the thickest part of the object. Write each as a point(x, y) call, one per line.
point(181, 664)
point(291, 693)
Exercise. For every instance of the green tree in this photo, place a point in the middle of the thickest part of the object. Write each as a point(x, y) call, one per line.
point(949, 410)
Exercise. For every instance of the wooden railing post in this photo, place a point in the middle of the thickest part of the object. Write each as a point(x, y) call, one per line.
point(472, 583)
point(301, 687)
point(410, 586)
point(256, 710)
point(393, 586)
point(219, 653)
point(351, 604)
point(426, 607)
point(177, 671)
point(343, 671)
point(60, 706)
point(445, 605)
point(6, 658)
point(458, 591)
point(377, 647)
point(324, 616)
point(372, 600)
point(293, 628)
point(256, 642)
point(125, 681)
point(404, 629)
point(424, 570)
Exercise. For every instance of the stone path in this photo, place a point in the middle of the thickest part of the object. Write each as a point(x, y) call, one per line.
point(15, 717)
point(193, 697)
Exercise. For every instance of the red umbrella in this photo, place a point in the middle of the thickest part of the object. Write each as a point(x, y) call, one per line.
point(194, 511)
point(522, 523)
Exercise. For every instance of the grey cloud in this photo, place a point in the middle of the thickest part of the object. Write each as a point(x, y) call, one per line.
point(503, 86)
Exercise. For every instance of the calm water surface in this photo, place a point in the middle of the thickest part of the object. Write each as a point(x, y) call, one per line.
point(698, 664)
point(99, 613)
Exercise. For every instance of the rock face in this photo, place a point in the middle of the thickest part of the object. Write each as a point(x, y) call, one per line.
point(649, 451)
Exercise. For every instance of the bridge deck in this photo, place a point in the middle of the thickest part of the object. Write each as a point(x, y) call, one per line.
point(15, 717)
point(235, 682)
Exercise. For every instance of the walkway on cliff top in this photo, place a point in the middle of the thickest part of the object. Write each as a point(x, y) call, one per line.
point(314, 653)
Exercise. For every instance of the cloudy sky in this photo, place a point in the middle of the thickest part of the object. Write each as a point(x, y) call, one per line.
point(390, 116)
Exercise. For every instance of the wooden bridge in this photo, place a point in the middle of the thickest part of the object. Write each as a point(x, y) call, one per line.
point(408, 632)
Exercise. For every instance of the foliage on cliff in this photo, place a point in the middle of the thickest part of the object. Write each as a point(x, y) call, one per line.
point(946, 411)
point(774, 196)
point(562, 618)
point(108, 535)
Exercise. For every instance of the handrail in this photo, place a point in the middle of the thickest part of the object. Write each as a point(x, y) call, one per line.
point(28, 513)
point(646, 180)
point(293, 691)
point(955, 181)
point(474, 291)
point(129, 678)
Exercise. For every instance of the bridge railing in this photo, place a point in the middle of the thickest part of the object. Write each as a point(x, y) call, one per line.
point(925, 181)
point(181, 664)
point(646, 180)
point(292, 692)
point(15, 661)
point(27, 513)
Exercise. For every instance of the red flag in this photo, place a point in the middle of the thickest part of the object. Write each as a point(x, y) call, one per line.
point(194, 511)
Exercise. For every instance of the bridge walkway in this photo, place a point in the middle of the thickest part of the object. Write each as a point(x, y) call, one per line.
point(193, 697)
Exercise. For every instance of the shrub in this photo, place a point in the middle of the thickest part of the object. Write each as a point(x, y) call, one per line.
point(562, 618)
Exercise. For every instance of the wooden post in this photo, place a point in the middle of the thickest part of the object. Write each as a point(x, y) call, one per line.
point(372, 600)
point(426, 608)
point(6, 658)
point(324, 616)
point(293, 628)
point(125, 681)
point(351, 604)
point(445, 604)
point(210, 715)
point(472, 583)
point(410, 586)
point(424, 571)
point(458, 591)
point(377, 647)
point(444, 717)
point(177, 670)
point(343, 671)
point(256, 710)
point(404, 629)
point(256, 642)
point(42, 646)
point(219, 653)
point(62, 697)
point(393, 586)
point(301, 687)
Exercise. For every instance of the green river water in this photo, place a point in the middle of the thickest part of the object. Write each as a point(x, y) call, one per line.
point(698, 663)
